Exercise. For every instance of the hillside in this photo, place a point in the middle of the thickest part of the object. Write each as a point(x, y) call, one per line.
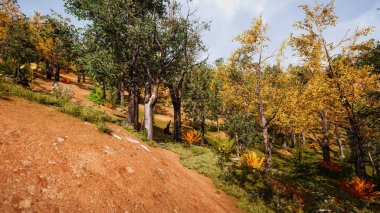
point(54, 162)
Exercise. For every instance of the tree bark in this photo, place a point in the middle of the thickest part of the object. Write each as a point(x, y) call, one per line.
point(57, 75)
point(79, 76)
point(264, 124)
point(293, 139)
point(49, 71)
point(122, 96)
point(104, 90)
point(203, 128)
point(84, 76)
point(325, 141)
point(176, 102)
point(340, 143)
point(149, 102)
point(133, 106)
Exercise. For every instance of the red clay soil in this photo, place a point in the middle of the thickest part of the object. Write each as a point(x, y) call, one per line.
point(51, 162)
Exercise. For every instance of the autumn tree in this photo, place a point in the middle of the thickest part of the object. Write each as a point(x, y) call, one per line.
point(341, 78)
point(253, 59)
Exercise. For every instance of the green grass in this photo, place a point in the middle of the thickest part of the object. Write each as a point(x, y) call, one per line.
point(62, 105)
point(319, 187)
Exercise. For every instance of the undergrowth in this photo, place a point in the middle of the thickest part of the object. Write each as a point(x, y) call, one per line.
point(61, 104)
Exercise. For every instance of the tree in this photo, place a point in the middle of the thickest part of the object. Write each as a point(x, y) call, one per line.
point(119, 24)
point(340, 74)
point(253, 61)
point(197, 97)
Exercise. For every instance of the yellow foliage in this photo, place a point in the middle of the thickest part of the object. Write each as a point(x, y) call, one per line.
point(252, 160)
point(191, 137)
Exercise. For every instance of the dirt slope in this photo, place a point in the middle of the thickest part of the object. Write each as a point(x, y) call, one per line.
point(51, 162)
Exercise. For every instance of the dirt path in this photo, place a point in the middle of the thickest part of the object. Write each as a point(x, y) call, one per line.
point(54, 162)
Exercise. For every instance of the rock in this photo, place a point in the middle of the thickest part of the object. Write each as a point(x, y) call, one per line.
point(108, 151)
point(116, 136)
point(145, 147)
point(61, 139)
point(26, 162)
point(130, 170)
point(132, 140)
point(25, 204)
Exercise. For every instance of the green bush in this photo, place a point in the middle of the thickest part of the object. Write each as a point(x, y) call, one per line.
point(96, 96)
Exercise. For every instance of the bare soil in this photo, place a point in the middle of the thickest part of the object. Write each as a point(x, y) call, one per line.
point(52, 162)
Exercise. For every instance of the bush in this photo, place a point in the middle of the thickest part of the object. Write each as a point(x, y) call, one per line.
point(96, 97)
point(103, 128)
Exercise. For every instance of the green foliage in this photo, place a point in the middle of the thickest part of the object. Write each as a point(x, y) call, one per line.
point(103, 127)
point(63, 105)
point(96, 96)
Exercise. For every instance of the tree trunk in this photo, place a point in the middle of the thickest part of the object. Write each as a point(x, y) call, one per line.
point(303, 138)
point(78, 79)
point(284, 144)
point(340, 143)
point(176, 102)
point(133, 106)
point(203, 129)
point(122, 96)
point(150, 101)
point(293, 139)
point(373, 164)
point(325, 141)
point(264, 124)
point(49, 71)
point(57, 76)
point(104, 90)
point(84, 77)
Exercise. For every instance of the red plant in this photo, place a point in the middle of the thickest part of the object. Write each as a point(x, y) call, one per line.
point(332, 166)
point(361, 189)
point(109, 105)
point(65, 80)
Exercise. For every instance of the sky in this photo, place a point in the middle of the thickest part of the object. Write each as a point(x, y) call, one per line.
point(230, 18)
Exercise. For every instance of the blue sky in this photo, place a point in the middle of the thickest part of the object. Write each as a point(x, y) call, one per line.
point(231, 17)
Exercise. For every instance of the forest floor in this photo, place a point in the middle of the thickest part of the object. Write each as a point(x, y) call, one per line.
point(54, 162)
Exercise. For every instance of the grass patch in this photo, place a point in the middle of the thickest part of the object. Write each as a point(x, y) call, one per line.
point(61, 104)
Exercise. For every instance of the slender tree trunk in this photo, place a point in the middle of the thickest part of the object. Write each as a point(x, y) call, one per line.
point(340, 143)
point(150, 101)
point(303, 138)
point(122, 96)
point(49, 70)
point(203, 128)
point(84, 76)
point(264, 124)
point(325, 141)
point(284, 143)
point(217, 124)
point(293, 139)
point(104, 90)
point(176, 101)
point(57, 75)
point(133, 105)
point(78, 79)
point(374, 166)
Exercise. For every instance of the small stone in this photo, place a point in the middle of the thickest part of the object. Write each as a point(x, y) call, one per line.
point(130, 170)
point(132, 140)
point(108, 151)
point(26, 162)
point(145, 147)
point(116, 136)
point(61, 139)
point(25, 204)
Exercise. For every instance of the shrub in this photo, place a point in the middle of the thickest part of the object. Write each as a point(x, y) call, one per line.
point(191, 137)
point(314, 145)
point(361, 189)
point(103, 127)
point(252, 160)
point(96, 96)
